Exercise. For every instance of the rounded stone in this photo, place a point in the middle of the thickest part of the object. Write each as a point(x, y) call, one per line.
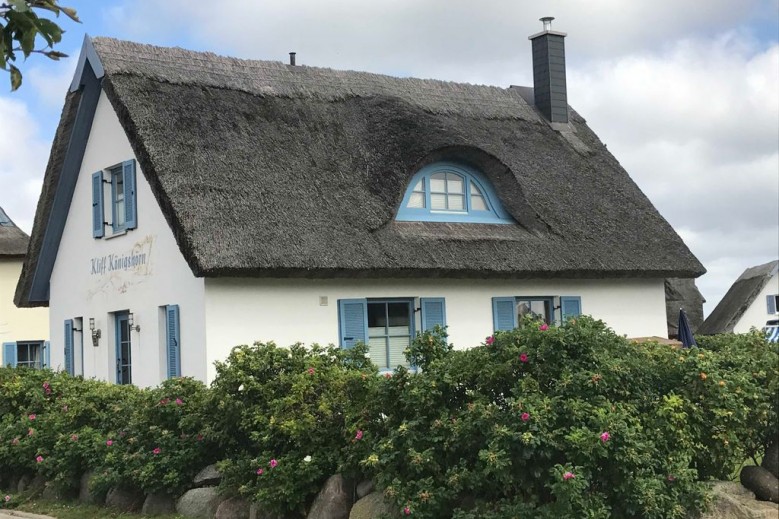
point(158, 504)
point(199, 503)
point(760, 481)
point(373, 505)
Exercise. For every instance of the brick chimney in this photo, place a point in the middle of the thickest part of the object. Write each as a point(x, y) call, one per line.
point(549, 88)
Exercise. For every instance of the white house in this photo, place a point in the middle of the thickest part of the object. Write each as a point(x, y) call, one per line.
point(751, 302)
point(195, 202)
point(24, 332)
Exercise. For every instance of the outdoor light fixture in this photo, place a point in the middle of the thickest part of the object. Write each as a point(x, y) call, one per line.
point(131, 323)
point(95, 332)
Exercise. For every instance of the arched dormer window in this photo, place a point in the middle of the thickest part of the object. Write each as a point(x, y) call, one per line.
point(446, 192)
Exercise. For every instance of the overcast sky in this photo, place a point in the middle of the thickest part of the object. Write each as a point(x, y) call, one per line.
point(684, 93)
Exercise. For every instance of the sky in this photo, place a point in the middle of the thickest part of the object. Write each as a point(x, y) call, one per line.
point(684, 93)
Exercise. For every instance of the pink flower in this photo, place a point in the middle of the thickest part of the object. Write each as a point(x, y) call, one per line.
point(7, 498)
point(273, 463)
point(407, 511)
point(605, 436)
point(74, 437)
point(523, 357)
point(358, 436)
point(156, 450)
point(39, 459)
point(164, 401)
point(671, 478)
point(109, 442)
point(15, 441)
point(568, 475)
point(30, 431)
point(199, 437)
point(179, 401)
point(388, 375)
point(260, 472)
point(32, 417)
point(490, 340)
point(311, 371)
point(544, 327)
point(525, 417)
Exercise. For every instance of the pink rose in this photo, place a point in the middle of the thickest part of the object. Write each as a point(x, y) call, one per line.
point(39, 459)
point(358, 436)
point(490, 340)
point(74, 437)
point(30, 431)
point(179, 401)
point(7, 498)
point(32, 417)
point(311, 371)
point(525, 417)
point(544, 327)
point(273, 463)
point(605, 436)
point(157, 450)
point(407, 511)
point(109, 442)
point(523, 357)
point(568, 475)
point(260, 472)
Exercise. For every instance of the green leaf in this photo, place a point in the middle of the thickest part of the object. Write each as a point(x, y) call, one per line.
point(55, 55)
point(49, 30)
point(71, 13)
point(16, 78)
point(19, 5)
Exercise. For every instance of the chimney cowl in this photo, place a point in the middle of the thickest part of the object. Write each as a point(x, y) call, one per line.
point(292, 58)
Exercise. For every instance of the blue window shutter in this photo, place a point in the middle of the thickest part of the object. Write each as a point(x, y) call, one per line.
point(352, 322)
point(9, 354)
point(173, 340)
point(504, 313)
point(69, 346)
point(46, 354)
point(771, 302)
point(130, 198)
point(433, 312)
point(570, 306)
point(97, 205)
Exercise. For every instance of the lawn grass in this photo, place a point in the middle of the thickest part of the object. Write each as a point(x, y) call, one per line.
point(76, 510)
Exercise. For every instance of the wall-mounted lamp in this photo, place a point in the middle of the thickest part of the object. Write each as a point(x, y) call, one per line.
point(131, 323)
point(95, 332)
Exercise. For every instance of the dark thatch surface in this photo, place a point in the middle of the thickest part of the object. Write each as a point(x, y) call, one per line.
point(683, 293)
point(263, 169)
point(13, 240)
point(738, 298)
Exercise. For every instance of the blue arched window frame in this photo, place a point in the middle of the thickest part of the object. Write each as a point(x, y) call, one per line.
point(494, 212)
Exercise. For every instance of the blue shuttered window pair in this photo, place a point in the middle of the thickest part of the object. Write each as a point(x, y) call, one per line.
point(353, 318)
point(504, 311)
point(173, 340)
point(123, 198)
point(30, 351)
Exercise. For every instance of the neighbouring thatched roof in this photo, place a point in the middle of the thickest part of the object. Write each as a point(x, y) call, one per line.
point(13, 240)
point(738, 298)
point(266, 169)
point(683, 293)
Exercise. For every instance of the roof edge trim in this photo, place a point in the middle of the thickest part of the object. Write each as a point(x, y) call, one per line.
point(88, 54)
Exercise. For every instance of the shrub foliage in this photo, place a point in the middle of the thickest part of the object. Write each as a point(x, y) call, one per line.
point(568, 421)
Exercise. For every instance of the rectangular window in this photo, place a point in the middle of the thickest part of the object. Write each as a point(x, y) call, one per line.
point(124, 374)
point(507, 312)
point(772, 302)
point(121, 197)
point(387, 326)
point(26, 354)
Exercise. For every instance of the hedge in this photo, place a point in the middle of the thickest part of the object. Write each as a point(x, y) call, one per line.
point(560, 421)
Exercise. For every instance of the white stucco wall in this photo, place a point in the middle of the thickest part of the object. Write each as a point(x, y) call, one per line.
point(241, 311)
point(18, 324)
point(757, 313)
point(164, 278)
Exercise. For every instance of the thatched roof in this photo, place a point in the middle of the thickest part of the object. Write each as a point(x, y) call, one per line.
point(266, 169)
point(13, 240)
point(683, 293)
point(738, 299)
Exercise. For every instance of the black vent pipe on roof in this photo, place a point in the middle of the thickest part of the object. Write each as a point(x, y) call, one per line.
point(292, 58)
point(549, 87)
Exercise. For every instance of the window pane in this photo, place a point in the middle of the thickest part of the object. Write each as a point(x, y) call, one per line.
point(475, 190)
point(454, 183)
point(437, 202)
point(537, 309)
point(477, 203)
point(398, 315)
point(416, 201)
point(22, 353)
point(377, 317)
point(438, 183)
point(377, 348)
point(420, 187)
point(456, 202)
point(397, 347)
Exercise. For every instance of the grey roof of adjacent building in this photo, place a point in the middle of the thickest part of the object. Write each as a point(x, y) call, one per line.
point(683, 293)
point(267, 169)
point(738, 298)
point(13, 240)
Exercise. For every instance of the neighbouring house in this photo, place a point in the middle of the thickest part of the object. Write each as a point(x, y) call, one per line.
point(194, 202)
point(751, 302)
point(24, 332)
point(683, 294)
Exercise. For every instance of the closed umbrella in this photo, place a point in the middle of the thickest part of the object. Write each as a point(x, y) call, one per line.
point(685, 333)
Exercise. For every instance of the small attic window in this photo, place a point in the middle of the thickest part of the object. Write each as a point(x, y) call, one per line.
point(4, 220)
point(447, 192)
